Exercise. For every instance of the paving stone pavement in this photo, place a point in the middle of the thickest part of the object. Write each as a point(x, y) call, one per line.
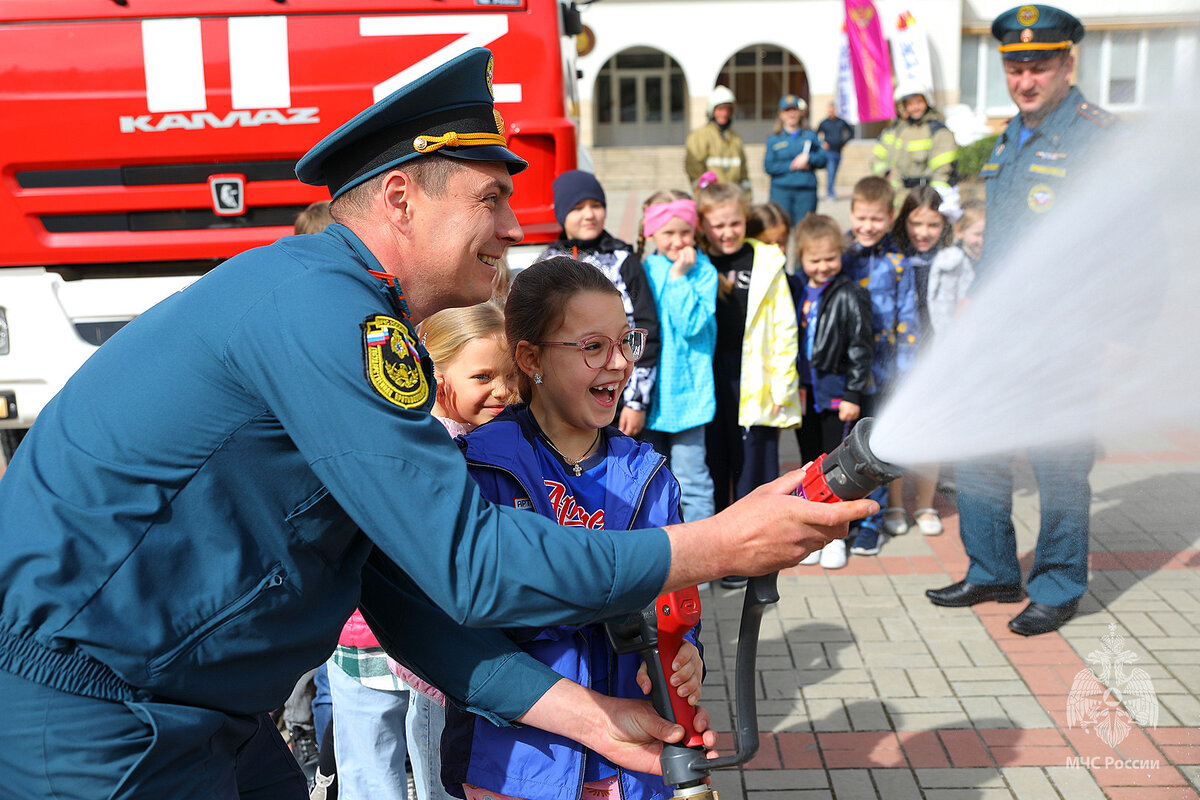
point(865, 689)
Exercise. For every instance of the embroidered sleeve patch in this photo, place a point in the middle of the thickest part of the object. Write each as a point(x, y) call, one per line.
point(392, 362)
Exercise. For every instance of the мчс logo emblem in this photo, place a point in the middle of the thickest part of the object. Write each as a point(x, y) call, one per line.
point(1110, 699)
point(392, 362)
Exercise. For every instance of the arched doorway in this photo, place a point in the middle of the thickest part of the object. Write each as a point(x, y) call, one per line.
point(640, 97)
point(759, 75)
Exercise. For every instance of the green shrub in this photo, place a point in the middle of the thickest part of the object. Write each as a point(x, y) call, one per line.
point(972, 156)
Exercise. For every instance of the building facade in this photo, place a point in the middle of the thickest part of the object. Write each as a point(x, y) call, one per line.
point(652, 63)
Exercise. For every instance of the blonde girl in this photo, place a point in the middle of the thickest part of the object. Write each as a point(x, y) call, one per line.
point(475, 375)
point(754, 364)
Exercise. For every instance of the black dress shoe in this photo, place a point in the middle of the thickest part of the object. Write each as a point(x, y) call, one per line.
point(1039, 618)
point(960, 594)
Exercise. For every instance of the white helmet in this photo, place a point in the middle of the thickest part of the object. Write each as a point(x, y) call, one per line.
point(719, 97)
point(909, 87)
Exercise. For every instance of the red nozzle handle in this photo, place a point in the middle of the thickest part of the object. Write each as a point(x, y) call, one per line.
point(814, 487)
point(677, 613)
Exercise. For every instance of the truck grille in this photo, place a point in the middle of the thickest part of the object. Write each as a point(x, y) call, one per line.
point(177, 220)
point(154, 174)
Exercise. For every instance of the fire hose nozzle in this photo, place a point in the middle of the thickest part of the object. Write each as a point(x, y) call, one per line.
point(850, 471)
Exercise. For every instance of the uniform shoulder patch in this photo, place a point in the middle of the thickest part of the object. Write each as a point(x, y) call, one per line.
point(392, 362)
point(1094, 113)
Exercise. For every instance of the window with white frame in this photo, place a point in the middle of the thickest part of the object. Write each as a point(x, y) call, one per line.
point(1122, 70)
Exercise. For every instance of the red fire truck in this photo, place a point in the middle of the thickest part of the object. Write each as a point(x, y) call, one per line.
point(144, 141)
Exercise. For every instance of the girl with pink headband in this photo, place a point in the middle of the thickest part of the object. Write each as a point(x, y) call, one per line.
point(684, 284)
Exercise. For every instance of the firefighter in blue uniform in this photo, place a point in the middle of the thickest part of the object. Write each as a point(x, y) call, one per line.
point(1033, 163)
point(190, 521)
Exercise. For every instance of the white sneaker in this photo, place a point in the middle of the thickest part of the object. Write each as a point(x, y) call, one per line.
point(895, 521)
point(812, 558)
point(833, 555)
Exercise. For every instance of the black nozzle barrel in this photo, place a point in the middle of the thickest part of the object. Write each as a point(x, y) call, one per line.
point(852, 470)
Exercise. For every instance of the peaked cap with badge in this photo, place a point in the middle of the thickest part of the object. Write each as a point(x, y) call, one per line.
point(1033, 32)
point(448, 110)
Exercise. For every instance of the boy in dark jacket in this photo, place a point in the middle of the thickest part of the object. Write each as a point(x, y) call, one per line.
point(836, 350)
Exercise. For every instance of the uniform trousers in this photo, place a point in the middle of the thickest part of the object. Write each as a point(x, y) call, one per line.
point(54, 744)
point(798, 203)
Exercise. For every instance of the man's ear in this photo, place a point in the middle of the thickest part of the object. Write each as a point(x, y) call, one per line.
point(400, 197)
point(528, 358)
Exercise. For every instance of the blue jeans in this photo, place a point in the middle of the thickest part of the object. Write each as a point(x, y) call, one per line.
point(686, 458)
point(425, 722)
point(368, 732)
point(832, 159)
point(1060, 564)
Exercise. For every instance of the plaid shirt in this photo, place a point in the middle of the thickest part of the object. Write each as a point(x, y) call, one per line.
point(368, 666)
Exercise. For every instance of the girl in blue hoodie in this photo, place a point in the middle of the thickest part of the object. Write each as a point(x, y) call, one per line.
point(557, 454)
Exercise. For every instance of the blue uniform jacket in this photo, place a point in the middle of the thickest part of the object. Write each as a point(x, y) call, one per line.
point(189, 517)
point(782, 147)
point(895, 321)
point(1025, 183)
point(527, 762)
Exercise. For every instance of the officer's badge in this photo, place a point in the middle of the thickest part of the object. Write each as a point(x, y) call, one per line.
point(1041, 197)
point(392, 362)
point(499, 121)
point(1027, 36)
point(1027, 15)
point(491, 66)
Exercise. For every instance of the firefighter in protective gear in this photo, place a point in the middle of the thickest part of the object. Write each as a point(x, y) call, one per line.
point(717, 147)
point(916, 149)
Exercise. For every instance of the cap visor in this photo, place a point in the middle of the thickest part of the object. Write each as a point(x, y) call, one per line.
point(491, 152)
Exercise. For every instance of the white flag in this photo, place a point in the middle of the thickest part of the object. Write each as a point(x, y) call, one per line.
point(845, 95)
point(910, 54)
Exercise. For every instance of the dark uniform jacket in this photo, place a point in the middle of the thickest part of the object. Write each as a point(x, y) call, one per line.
point(190, 516)
point(1025, 183)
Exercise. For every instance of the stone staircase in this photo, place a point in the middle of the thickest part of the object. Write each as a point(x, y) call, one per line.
point(644, 170)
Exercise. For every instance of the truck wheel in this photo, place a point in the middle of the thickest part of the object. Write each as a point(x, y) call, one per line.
point(9, 439)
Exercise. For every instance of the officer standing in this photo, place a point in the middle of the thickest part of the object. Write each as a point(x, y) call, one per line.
point(1031, 165)
point(188, 524)
point(917, 149)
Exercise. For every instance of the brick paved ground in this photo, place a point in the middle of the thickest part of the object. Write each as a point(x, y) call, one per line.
point(867, 690)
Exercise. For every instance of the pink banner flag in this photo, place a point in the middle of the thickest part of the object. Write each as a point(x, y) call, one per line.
point(870, 61)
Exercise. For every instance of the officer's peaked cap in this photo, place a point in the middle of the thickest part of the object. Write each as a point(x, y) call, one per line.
point(448, 110)
point(1029, 33)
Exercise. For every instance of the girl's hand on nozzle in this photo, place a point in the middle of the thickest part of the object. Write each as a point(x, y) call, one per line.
point(689, 672)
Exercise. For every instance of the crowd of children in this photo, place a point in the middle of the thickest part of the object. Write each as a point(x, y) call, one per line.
point(626, 386)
